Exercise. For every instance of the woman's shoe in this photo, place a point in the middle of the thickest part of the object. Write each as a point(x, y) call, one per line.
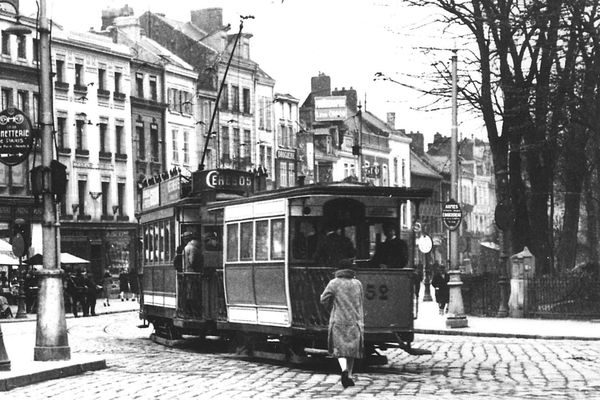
point(345, 380)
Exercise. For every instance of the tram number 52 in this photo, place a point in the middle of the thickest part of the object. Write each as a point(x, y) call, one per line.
point(379, 292)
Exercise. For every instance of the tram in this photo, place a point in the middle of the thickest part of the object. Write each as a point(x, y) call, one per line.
point(258, 284)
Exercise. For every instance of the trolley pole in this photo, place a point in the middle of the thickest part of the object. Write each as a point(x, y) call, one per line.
point(51, 341)
point(456, 314)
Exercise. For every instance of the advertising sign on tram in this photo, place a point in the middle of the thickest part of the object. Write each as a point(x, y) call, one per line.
point(228, 180)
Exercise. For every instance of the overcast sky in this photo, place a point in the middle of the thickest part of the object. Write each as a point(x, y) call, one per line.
point(349, 40)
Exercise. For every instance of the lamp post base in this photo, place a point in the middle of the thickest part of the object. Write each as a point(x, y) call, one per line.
point(503, 308)
point(41, 353)
point(21, 308)
point(457, 322)
point(51, 342)
point(4, 361)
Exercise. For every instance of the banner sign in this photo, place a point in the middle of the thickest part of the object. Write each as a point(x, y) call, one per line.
point(16, 136)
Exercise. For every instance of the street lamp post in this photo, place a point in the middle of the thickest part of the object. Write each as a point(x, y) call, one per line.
point(51, 341)
point(456, 314)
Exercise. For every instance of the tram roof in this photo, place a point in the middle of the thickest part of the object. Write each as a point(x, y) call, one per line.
point(337, 189)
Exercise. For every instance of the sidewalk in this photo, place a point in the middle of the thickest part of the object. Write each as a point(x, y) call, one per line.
point(19, 347)
point(430, 322)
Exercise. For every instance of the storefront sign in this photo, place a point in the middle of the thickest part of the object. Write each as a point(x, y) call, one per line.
point(228, 180)
point(287, 154)
point(150, 197)
point(170, 190)
point(16, 136)
point(330, 108)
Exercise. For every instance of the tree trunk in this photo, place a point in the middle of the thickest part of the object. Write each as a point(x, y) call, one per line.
point(591, 208)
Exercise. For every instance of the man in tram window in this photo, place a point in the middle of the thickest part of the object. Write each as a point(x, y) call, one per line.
point(192, 253)
point(393, 252)
point(304, 242)
point(334, 249)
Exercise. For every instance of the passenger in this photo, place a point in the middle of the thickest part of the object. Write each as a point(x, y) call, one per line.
point(78, 290)
point(192, 253)
point(334, 249)
point(125, 290)
point(417, 279)
point(134, 286)
point(344, 297)
point(442, 292)
point(393, 252)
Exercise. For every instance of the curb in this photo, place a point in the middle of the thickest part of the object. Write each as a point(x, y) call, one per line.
point(34, 316)
point(502, 335)
point(13, 382)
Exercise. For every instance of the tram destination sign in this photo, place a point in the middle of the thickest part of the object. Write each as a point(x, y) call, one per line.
point(16, 136)
point(226, 180)
point(451, 215)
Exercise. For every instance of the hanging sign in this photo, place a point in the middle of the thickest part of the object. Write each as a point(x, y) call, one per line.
point(451, 215)
point(425, 244)
point(16, 136)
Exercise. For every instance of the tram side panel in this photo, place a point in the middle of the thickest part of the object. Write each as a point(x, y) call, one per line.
point(159, 283)
point(388, 301)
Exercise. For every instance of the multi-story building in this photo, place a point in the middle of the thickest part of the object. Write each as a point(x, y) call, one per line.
point(19, 63)
point(92, 114)
point(243, 132)
point(288, 148)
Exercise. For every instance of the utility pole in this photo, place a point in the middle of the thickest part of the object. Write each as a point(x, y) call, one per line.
point(51, 341)
point(456, 314)
point(359, 145)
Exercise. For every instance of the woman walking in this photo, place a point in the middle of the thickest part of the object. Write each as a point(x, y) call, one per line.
point(344, 297)
point(106, 285)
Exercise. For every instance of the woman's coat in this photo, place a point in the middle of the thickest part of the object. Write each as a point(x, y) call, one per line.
point(344, 296)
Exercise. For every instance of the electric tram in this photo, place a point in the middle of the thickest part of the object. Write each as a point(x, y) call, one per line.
point(258, 284)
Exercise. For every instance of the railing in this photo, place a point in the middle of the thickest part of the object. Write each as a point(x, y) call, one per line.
point(568, 296)
point(481, 294)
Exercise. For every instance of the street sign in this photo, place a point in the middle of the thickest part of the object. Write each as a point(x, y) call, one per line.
point(451, 215)
point(16, 136)
point(425, 244)
point(416, 227)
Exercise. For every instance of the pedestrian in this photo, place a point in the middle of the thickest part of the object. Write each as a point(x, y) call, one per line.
point(417, 279)
point(134, 288)
point(106, 286)
point(124, 286)
point(343, 296)
point(442, 292)
point(91, 295)
point(78, 291)
point(393, 252)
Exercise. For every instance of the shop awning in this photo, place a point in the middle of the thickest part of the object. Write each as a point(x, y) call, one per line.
point(65, 258)
point(7, 259)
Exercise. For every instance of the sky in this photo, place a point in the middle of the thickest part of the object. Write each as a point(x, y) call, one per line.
point(350, 41)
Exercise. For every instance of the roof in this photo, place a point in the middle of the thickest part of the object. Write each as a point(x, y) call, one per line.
point(420, 167)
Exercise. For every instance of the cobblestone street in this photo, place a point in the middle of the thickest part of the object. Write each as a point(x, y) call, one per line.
point(461, 367)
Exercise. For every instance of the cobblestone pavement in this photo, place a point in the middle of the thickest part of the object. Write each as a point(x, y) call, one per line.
point(460, 368)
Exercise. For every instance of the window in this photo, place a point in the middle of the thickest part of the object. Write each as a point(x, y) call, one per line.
point(186, 147)
point(36, 50)
point(36, 108)
point(154, 141)
point(139, 131)
point(61, 124)
point(119, 139)
point(79, 124)
point(283, 182)
point(291, 137)
point(236, 142)
point(175, 140)
point(5, 43)
point(101, 79)
point(22, 46)
point(81, 186)
point(268, 113)
point(277, 239)
point(262, 240)
point(78, 74)
point(232, 242)
point(246, 241)
point(139, 84)
point(23, 101)
point(153, 90)
point(225, 141)
point(105, 188)
point(246, 100)
point(281, 136)
point(117, 82)
point(235, 99)
point(403, 172)
point(7, 98)
point(60, 70)
point(121, 197)
point(247, 148)
point(225, 98)
point(261, 112)
point(269, 159)
point(396, 171)
point(104, 147)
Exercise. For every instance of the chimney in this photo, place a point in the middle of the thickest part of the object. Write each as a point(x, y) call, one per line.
point(208, 19)
point(391, 120)
point(130, 26)
point(417, 144)
point(320, 85)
